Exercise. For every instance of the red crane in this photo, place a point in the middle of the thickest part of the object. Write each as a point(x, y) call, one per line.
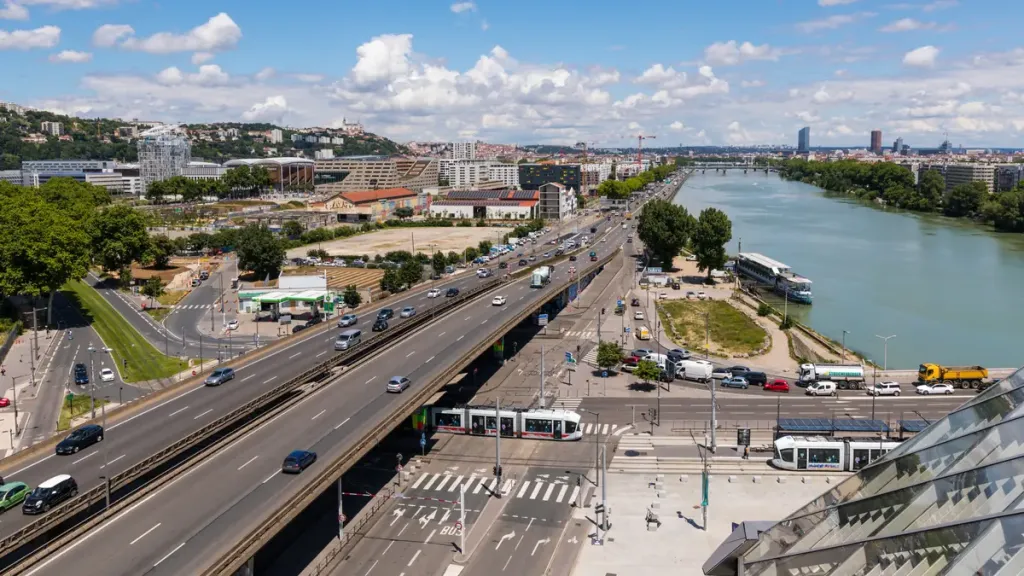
point(640, 150)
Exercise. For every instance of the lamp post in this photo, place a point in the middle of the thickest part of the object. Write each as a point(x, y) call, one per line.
point(885, 351)
point(597, 444)
point(845, 332)
point(92, 381)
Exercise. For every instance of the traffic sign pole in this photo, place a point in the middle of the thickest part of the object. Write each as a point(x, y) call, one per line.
point(462, 517)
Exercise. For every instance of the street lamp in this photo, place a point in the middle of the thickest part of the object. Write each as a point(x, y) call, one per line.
point(845, 332)
point(597, 444)
point(926, 421)
point(92, 381)
point(885, 353)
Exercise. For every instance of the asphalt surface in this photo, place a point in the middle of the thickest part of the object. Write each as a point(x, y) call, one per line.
point(199, 306)
point(241, 483)
point(132, 440)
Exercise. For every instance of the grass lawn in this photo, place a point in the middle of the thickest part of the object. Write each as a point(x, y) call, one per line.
point(144, 361)
point(80, 405)
point(732, 331)
point(158, 314)
point(171, 298)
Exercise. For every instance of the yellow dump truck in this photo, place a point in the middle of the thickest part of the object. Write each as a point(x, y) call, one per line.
point(962, 376)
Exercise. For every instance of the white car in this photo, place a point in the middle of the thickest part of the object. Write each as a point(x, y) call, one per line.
point(638, 315)
point(106, 375)
point(434, 293)
point(498, 301)
point(701, 295)
point(884, 389)
point(935, 389)
point(691, 258)
point(233, 325)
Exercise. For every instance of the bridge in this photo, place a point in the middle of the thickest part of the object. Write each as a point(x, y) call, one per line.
point(336, 408)
point(703, 167)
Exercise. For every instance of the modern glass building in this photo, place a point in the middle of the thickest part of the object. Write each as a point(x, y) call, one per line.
point(949, 501)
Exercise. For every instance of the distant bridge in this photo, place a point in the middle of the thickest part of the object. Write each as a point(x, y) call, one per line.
point(724, 166)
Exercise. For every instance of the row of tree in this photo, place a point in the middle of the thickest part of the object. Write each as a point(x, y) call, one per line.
point(893, 185)
point(239, 182)
point(621, 189)
point(666, 228)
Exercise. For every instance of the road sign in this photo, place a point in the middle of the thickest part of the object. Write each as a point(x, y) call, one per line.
point(604, 373)
point(423, 439)
point(542, 319)
point(458, 525)
point(569, 358)
point(627, 329)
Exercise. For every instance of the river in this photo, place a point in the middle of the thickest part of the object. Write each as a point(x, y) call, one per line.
point(951, 291)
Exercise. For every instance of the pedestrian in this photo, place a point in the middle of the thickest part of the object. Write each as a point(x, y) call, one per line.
point(746, 452)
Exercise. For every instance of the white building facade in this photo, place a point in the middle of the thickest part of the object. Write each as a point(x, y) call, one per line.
point(463, 150)
point(507, 174)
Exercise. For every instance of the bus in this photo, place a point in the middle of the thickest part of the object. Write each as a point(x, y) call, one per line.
point(532, 423)
point(816, 453)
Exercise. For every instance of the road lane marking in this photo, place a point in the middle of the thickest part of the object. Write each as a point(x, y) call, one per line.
point(479, 486)
point(112, 461)
point(371, 379)
point(468, 318)
point(460, 337)
point(343, 422)
point(494, 484)
point(410, 353)
point(454, 484)
point(247, 377)
point(178, 547)
point(319, 414)
point(389, 547)
point(575, 493)
point(419, 481)
point(414, 557)
point(522, 489)
point(506, 488)
point(431, 482)
point(179, 410)
point(375, 561)
point(267, 381)
point(441, 334)
point(432, 532)
point(402, 530)
point(443, 482)
point(297, 354)
point(269, 478)
point(536, 490)
point(547, 495)
point(248, 462)
point(506, 563)
point(484, 322)
point(561, 493)
point(203, 414)
point(144, 412)
point(144, 534)
point(528, 526)
point(83, 458)
point(429, 359)
point(321, 354)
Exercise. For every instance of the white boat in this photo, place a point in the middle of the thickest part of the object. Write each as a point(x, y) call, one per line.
point(775, 274)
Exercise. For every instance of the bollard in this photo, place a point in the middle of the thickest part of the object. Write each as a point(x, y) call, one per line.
point(683, 478)
point(757, 479)
point(732, 479)
point(781, 479)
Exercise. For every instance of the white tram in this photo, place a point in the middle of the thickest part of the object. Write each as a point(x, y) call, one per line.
point(822, 453)
point(515, 423)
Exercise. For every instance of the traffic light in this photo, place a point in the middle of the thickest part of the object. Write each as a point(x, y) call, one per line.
point(654, 414)
point(598, 508)
point(496, 470)
point(579, 480)
point(602, 310)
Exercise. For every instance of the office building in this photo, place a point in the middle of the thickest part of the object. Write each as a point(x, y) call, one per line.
point(966, 173)
point(507, 174)
point(11, 177)
point(556, 201)
point(897, 146)
point(355, 173)
point(1008, 176)
point(532, 176)
point(463, 151)
point(803, 140)
point(164, 151)
point(487, 204)
point(946, 502)
point(204, 171)
point(876, 141)
point(131, 186)
point(67, 165)
point(286, 174)
point(51, 128)
point(276, 137)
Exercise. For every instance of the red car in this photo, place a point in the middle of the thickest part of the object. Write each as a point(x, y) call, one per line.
point(630, 362)
point(777, 385)
point(5, 402)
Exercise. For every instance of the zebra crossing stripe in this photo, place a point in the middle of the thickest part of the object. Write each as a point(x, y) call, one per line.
point(536, 489)
point(575, 493)
point(506, 487)
point(419, 481)
point(561, 493)
point(443, 482)
point(522, 489)
point(614, 426)
point(547, 495)
point(604, 430)
point(479, 486)
point(455, 485)
point(494, 484)
point(430, 482)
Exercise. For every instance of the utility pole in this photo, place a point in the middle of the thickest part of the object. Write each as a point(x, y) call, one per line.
point(106, 478)
point(543, 400)
point(92, 380)
point(604, 495)
point(462, 519)
point(341, 513)
point(497, 446)
point(845, 332)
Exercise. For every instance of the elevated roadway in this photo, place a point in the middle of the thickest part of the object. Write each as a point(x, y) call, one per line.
point(198, 517)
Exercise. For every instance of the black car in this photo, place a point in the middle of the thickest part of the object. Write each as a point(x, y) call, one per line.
point(756, 378)
point(524, 263)
point(385, 314)
point(298, 461)
point(82, 438)
point(503, 265)
point(572, 258)
point(49, 494)
point(677, 354)
point(451, 293)
point(380, 325)
point(314, 320)
point(81, 374)
point(299, 328)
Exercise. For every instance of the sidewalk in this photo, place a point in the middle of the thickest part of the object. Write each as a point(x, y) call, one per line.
point(21, 386)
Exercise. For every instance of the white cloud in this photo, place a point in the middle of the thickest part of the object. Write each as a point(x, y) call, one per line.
point(201, 57)
point(832, 22)
point(382, 59)
point(659, 75)
point(730, 53)
point(109, 34)
point(484, 25)
point(312, 78)
point(677, 126)
point(67, 4)
point(13, 11)
point(270, 110)
point(923, 57)
point(460, 7)
point(929, 7)
point(808, 117)
point(71, 56)
point(835, 2)
point(170, 76)
point(42, 37)
point(265, 74)
point(823, 96)
point(218, 33)
point(752, 83)
point(840, 73)
point(209, 75)
point(910, 24)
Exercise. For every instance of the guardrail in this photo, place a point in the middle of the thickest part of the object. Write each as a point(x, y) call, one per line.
point(94, 496)
point(252, 542)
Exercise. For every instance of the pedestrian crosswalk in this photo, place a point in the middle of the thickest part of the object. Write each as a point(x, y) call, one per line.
point(565, 404)
point(191, 306)
point(603, 429)
point(558, 490)
point(582, 334)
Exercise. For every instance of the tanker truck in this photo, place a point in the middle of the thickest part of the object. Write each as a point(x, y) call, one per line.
point(541, 276)
point(846, 376)
point(962, 376)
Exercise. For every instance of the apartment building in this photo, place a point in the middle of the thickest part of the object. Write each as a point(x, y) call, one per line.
point(532, 176)
point(1008, 176)
point(965, 173)
point(463, 150)
point(355, 173)
point(51, 128)
point(507, 174)
point(468, 173)
point(276, 136)
point(556, 201)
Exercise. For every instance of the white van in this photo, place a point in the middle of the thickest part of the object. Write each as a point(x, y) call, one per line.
point(696, 370)
point(659, 359)
point(822, 388)
point(348, 339)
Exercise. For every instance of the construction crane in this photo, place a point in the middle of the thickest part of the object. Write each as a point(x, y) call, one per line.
point(640, 150)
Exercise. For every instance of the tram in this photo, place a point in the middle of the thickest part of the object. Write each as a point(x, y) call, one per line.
point(515, 423)
point(820, 453)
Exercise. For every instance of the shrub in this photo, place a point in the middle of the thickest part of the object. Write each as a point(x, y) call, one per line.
point(764, 309)
point(786, 323)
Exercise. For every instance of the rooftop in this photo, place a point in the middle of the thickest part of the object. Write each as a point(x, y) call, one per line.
point(280, 161)
point(364, 196)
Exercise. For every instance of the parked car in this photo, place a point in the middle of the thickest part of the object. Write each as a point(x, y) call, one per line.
point(408, 312)
point(380, 325)
point(935, 389)
point(347, 320)
point(451, 293)
point(499, 301)
point(314, 320)
point(107, 375)
point(386, 314)
point(503, 265)
point(735, 382)
point(5, 402)
point(433, 293)
point(777, 385)
point(884, 389)
point(547, 254)
point(297, 461)
point(533, 258)
point(738, 370)
point(398, 384)
point(677, 354)
point(81, 374)
point(701, 295)
point(638, 315)
point(233, 325)
point(220, 376)
point(12, 494)
point(756, 378)
point(642, 352)
point(629, 363)
point(81, 438)
point(721, 373)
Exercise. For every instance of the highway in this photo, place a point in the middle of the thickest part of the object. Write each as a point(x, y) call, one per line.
point(132, 439)
point(192, 520)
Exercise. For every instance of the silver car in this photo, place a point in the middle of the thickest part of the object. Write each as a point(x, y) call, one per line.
point(408, 312)
point(220, 376)
point(347, 320)
point(398, 383)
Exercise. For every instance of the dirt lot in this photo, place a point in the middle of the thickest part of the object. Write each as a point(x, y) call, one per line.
point(427, 239)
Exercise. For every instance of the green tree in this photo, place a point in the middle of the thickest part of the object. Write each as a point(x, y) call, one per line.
point(410, 272)
point(665, 228)
point(318, 253)
point(292, 229)
point(609, 354)
point(351, 296)
point(153, 287)
point(156, 192)
point(391, 281)
point(403, 212)
point(438, 262)
point(964, 199)
point(260, 250)
point(161, 249)
point(712, 233)
point(1006, 210)
point(120, 238)
point(454, 258)
point(647, 371)
point(471, 254)
point(484, 247)
point(931, 188)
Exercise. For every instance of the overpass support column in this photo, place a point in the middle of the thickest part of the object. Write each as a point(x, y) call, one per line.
point(247, 569)
point(341, 514)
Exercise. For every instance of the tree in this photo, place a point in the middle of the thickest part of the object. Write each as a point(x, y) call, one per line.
point(153, 287)
point(1006, 210)
point(609, 354)
point(965, 199)
point(410, 272)
point(403, 212)
point(160, 250)
point(318, 253)
point(664, 228)
point(391, 281)
point(454, 258)
point(484, 247)
point(260, 250)
point(438, 262)
point(471, 254)
point(351, 296)
point(647, 370)
point(120, 238)
point(292, 229)
point(931, 188)
point(712, 233)
point(156, 192)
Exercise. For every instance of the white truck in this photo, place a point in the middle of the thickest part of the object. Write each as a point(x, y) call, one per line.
point(846, 376)
point(696, 370)
point(540, 277)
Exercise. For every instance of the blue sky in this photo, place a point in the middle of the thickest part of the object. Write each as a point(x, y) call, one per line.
point(727, 72)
